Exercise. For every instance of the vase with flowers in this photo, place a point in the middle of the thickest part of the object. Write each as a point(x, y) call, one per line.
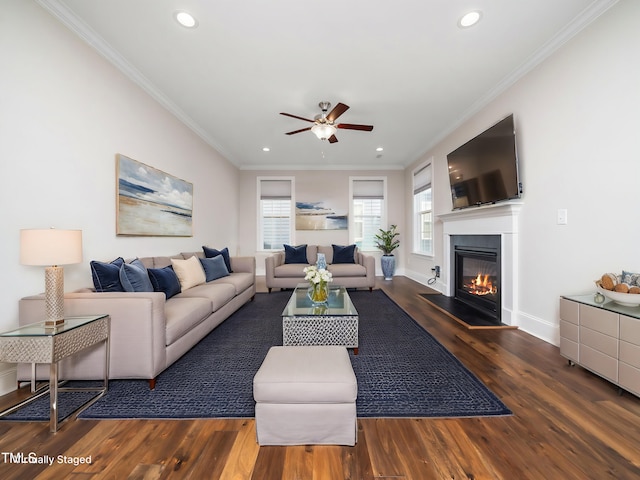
point(318, 279)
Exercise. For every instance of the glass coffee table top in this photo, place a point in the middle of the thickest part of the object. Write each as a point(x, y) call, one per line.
point(339, 303)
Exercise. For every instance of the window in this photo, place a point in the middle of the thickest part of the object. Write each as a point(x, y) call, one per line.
point(367, 210)
point(276, 213)
point(422, 211)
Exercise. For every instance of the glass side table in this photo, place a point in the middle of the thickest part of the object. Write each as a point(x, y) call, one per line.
point(37, 343)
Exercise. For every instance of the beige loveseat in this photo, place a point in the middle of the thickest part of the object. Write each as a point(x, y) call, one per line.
point(148, 332)
point(359, 274)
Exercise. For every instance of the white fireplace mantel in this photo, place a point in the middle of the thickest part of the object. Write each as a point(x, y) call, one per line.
point(499, 219)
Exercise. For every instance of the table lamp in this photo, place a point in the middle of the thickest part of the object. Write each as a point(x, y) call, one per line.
point(52, 248)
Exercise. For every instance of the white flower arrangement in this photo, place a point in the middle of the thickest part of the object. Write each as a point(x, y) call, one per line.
point(314, 275)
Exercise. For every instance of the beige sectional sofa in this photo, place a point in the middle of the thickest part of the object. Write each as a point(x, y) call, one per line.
point(279, 273)
point(148, 332)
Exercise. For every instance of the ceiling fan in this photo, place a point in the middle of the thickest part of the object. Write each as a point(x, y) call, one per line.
point(324, 124)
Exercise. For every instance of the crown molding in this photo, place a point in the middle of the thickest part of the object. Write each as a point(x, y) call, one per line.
point(89, 36)
point(368, 168)
point(587, 17)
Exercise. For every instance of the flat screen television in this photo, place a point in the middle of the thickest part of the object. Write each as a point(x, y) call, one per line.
point(485, 169)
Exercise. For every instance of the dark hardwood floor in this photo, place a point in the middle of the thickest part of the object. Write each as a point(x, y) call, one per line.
point(567, 424)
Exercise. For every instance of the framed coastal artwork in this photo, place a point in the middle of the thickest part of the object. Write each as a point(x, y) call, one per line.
point(319, 216)
point(150, 202)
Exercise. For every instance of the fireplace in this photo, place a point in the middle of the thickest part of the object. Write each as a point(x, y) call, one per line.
point(476, 272)
point(501, 222)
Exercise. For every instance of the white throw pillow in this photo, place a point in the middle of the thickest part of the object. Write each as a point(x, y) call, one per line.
point(189, 271)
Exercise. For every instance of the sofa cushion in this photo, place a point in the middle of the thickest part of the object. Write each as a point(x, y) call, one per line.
point(106, 276)
point(214, 268)
point(164, 280)
point(212, 252)
point(182, 314)
point(291, 270)
point(189, 271)
point(296, 254)
point(240, 281)
point(134, 277)
point(344, 254)
point(347, 270)
point(218, 294)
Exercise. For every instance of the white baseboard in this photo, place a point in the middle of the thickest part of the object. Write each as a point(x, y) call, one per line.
point(424, 280)
point(8, 379)
point(539, 328)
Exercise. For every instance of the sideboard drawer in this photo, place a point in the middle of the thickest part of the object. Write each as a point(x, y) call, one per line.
point(629, 353)
point(599, 363)
point(570, 331)
point(599, 341)
point(570, 311)
point(629, 378)
point(630, 329)
point(599, 320)
point(570, 349)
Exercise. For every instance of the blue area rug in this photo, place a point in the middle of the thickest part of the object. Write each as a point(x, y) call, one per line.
point(402, 371)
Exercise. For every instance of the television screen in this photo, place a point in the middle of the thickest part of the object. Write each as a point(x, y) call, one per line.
point(485, 169)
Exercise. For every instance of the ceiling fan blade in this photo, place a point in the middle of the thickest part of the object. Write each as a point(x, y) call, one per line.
point(296, 116)
point(332, 139)
point(353, 126)
point(298, 131)
point(338, 110)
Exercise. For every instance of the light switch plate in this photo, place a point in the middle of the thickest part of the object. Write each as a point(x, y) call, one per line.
point(562, 216)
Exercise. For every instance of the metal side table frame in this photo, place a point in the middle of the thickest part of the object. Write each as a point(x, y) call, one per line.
point(37, 343)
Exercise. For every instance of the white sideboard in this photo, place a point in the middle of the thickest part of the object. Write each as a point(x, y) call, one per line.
point(603, 338)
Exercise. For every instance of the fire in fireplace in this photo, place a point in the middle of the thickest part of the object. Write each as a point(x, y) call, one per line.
point(477, 273)
point(482, 285)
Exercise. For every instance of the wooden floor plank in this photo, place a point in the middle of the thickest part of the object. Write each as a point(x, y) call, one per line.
point(567, 424)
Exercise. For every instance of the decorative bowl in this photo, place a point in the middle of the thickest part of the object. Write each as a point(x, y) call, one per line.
point(625, 299)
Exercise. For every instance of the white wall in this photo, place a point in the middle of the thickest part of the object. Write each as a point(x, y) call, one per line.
point(577, 119)
point(65, 113)
point(318, 185)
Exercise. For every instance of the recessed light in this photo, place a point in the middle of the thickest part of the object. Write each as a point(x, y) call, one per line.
point(185, 19)
point(470, 19)
point(266, 149)
point(379, 149)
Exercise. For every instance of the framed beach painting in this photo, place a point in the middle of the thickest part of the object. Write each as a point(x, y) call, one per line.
point(318, 216)
point(150, 202)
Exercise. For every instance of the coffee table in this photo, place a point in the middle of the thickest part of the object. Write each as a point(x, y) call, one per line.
point(335, 323)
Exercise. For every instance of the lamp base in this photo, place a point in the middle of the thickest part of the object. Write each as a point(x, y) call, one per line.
point(53, 323)
point(54, 296)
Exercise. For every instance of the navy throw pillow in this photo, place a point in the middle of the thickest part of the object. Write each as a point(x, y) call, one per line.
point(344, 254)
point(212, 252)
point(214, 268)
point(164, 280)
point(106, 276)
point(134, 277)
point(295, 254)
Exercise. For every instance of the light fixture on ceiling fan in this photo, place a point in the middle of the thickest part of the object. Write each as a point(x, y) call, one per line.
point(325, 127)
point(323, 131)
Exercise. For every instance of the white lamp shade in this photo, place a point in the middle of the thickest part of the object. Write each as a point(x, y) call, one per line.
point(323, 130)
point(50, 247)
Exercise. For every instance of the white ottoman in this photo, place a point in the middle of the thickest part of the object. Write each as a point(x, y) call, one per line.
point(306, 396)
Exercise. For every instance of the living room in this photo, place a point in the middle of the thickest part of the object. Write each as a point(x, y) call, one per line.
point(68, 112)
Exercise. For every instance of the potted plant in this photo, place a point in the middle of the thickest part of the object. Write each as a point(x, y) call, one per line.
point(387, 242)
